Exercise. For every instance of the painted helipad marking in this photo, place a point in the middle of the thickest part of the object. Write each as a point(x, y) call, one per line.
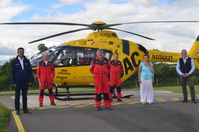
point(77, 105)
point(175, 99)
point(18, 122)
point(162, 100)
point(81, 105)
point(133, 102)
point(114, 103)
point(50, 107)
point(117, 103)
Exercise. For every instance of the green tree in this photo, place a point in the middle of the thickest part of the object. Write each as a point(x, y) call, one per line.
point(42, 48)
point(165, 74)
point(5, 78)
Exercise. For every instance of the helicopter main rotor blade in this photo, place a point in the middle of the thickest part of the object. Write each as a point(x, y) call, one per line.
point(131, 33)
point(149, 22)
point(59, 34)
point(45, 23)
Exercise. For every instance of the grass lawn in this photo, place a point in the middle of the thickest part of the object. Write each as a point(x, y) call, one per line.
point(4, 115)
point(175, 89)
point(46, 90)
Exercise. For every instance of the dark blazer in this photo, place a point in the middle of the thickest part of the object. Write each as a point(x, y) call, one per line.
point(19, 75)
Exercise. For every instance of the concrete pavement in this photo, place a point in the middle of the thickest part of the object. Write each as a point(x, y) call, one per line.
point(164, 117)
point(167, 114)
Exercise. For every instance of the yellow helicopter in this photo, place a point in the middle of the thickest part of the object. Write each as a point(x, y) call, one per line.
point(72, 59)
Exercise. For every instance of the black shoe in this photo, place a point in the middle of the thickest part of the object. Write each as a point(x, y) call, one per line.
point(109, 108)
point(41, 105)
point(119, 100)
point(184, 101)
point(17, 112)
point(98, 108)
point(194, 101)
point(53, 104)
point(27, 112)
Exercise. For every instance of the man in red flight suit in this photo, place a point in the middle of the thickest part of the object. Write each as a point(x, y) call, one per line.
point(100, 67)
point(116, 71)
point(45, 75)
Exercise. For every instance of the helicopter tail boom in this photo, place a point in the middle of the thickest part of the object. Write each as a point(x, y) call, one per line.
point(161, 56)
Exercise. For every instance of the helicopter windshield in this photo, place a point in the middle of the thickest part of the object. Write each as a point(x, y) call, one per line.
point(51, 52)
point(69, 56)
point(66, 57)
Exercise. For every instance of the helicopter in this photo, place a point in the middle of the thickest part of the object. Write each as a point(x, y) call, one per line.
point(72, 59)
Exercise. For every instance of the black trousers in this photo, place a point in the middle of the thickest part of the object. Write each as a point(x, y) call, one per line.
point(189, 81)
point(24, 88)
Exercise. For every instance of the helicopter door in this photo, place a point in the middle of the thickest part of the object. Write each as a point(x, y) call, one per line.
point(65, 64)
point(84, 57)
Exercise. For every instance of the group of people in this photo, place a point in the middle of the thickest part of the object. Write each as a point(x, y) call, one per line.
point(107, 76)
point(103, 69)
point(185, 68)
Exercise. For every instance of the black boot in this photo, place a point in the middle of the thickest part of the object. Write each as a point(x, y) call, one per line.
point(17, 112)
point(98, 108)
point(109, 108)
point(194, 101)
point(119, 100)
point(27, 111)
point(185, 101)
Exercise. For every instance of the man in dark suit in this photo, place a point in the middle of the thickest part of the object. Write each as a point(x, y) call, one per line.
point(21, 78)
point(185, 68)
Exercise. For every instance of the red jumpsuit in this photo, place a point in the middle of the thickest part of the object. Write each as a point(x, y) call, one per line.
point(100, 69)
point(115, 77)
point(45, 75)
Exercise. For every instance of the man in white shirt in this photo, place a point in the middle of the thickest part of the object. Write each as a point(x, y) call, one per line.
point(21, 78)
point(185, 68)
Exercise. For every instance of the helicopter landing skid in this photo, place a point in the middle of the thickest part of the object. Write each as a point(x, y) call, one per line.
point(68, 96)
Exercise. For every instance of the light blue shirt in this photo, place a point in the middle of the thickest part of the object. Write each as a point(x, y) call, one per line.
point(184, 60)
point(146, 72)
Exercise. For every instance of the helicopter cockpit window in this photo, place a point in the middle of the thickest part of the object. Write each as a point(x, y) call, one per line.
point(66, 57)
point(107, 54)
point(37, 58)
point(84, 56)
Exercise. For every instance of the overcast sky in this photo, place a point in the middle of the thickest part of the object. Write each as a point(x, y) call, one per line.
point(169, 37)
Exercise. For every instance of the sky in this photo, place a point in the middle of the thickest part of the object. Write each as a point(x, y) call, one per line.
point(169, 37)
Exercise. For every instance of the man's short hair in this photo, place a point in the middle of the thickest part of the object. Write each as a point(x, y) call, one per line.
point(100, 50)
point(45, 53)
point(183, 50)
point(20, 48)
